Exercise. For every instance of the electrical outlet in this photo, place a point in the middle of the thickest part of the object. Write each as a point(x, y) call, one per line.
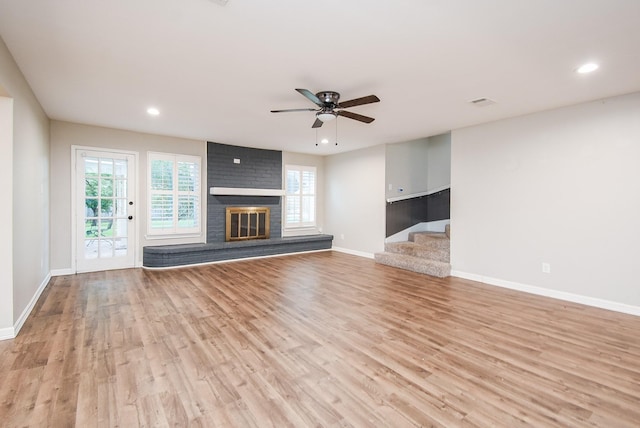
point(546, 267)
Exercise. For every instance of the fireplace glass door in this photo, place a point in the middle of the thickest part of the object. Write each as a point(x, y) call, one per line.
point(244, 223)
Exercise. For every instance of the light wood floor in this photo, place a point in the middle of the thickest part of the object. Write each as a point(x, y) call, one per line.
point(323, 339)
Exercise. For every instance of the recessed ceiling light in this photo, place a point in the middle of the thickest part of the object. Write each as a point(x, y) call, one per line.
point(324, 141)
point(587, 68)
point(152, 111)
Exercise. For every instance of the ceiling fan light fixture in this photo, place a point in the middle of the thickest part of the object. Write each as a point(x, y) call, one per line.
point(326, 116)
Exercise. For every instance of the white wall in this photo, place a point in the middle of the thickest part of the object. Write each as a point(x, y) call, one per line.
point(561, 187)
point(64, 135)
point(407, 168)
point(439, 161)
point(290, 158)
point(29, 196)
point(355, 200)
point(6, 217)
point(418, 166)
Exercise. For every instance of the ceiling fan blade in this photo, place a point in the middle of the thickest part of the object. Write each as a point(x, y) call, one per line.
point(317, 124)
point(293, 109)
point(359, 101)
point(311, 96)
point(355, 116)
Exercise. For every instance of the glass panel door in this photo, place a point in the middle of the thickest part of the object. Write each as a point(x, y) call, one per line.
point(105, 209)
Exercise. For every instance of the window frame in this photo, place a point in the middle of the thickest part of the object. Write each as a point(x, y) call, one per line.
point(301, 226)
point(175, 230)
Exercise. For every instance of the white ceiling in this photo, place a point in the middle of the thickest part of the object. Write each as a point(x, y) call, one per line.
point(216, 71)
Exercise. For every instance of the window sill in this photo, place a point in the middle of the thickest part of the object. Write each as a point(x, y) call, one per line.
point(301, 231)
point(173, 236)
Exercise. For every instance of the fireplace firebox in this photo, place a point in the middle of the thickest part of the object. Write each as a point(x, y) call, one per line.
point(244, 223)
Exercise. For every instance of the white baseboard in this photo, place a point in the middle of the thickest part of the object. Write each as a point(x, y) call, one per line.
point(25, 314)
point(560, 295)
point(353, 252)
point(62, 272)
point(12, 332)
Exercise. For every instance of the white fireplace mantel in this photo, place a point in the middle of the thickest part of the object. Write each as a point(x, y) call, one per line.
point(241, 191)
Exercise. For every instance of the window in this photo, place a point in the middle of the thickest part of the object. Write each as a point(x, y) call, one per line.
point(300, 196)
point(174, 194)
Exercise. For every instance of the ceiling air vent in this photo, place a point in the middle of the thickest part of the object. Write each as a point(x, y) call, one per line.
point(221, 2)
point(482, 102)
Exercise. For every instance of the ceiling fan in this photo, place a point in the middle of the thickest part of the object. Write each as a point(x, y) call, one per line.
point(329, 106)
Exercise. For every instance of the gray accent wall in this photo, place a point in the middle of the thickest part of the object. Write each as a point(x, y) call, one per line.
point(254, 168)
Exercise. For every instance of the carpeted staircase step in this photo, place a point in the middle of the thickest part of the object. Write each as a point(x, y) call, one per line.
point(412, 249)
point(432, 240)
point(415, 264)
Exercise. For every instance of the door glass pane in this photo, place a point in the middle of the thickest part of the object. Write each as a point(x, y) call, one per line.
point(90, 166)
point(91, 228)
point(106, 187)
point(120, 168)
point(105, 248)
point(120, 208)
point(106, 167)
point(91, 187)
point(91, 249)
point(121, 188)
point(106, 228)
point(91, 207)
point(120, 246)
point(105, 208)
point(121, 227)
